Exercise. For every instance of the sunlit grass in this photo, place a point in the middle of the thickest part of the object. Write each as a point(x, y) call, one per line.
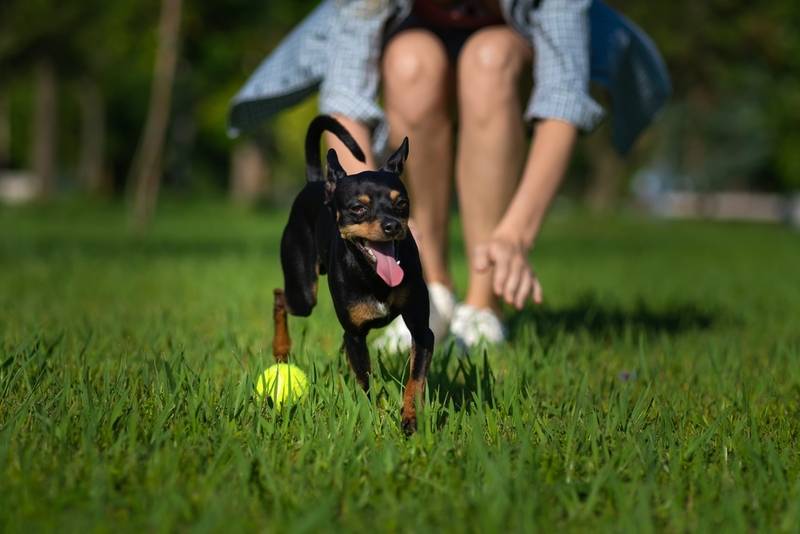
point(658, 388)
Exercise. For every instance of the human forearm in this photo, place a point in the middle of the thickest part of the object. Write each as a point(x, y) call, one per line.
point(546, 165)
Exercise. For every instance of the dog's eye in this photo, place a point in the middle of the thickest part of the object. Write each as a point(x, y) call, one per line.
point(358, 210)
point(401, 205)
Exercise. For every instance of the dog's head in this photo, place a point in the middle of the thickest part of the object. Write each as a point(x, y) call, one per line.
point(371, 210)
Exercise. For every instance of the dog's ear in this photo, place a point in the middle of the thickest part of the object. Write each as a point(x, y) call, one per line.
point(395, 162)
point(335, 173)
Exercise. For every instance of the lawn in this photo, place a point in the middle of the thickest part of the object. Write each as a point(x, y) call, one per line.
point(657, 389)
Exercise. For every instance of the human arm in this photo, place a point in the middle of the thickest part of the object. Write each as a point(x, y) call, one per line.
point(507, 250)
point(562, 105)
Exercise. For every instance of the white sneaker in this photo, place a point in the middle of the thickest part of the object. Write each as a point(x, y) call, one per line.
point(471, 326)
point(397, 338)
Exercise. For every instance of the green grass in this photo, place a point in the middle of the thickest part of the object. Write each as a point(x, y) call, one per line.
point(657, 389)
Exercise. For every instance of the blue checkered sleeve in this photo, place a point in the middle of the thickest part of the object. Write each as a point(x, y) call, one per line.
point(352, 77)
point(560, 36)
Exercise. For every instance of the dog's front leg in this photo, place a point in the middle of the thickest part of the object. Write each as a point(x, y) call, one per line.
point(420, 360)
point(358, 355)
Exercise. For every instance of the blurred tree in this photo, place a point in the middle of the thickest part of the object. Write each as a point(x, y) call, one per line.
point(29, 33)
point(147, 165)
point(736, 70)
point(224, 41)
point(43, 147)
point(83, 44)
point(5, 130)
point(94, 64)
point(735, 65)
point(249, 180)
point(91, 162)
point(606, 170)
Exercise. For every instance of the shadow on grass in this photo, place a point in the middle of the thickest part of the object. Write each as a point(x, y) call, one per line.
point(465, 383)
point(603, 320)
point(471, 383)
point(460, 382)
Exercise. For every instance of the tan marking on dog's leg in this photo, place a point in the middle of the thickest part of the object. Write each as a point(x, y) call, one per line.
point(281, 342)
point(412, 396)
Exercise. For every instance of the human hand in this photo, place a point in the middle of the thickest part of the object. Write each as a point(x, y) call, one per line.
point(513, 279)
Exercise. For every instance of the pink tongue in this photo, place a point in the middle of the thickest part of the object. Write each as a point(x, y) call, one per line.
point(386, 266)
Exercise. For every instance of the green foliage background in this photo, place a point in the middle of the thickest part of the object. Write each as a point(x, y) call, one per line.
point(735, 64)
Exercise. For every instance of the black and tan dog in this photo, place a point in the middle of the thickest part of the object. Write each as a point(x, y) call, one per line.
point(354, 228)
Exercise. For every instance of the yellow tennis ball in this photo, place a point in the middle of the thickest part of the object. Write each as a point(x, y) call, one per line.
point(283, 383)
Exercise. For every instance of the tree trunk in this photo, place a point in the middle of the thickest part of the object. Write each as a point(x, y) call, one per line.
point(91, 163)
point(146, 169)
point(606, 175)
point(249, 173)
point(45, 121)
point(5, 132)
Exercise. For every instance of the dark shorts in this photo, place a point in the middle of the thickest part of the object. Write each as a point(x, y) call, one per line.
point(453, 39)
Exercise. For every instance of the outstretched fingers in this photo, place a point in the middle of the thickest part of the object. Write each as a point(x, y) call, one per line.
point(513, 279)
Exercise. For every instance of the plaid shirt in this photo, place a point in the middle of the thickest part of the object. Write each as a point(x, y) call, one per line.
point(337, 49)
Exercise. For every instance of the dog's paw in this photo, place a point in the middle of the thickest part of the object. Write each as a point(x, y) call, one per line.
point(408, 423)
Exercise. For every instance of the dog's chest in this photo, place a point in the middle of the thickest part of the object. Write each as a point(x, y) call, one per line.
point(370, 308)
point(367, 310)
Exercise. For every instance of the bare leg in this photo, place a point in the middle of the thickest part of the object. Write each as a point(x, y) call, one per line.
point(362, 136)
point(491, 145)
point(416, 78)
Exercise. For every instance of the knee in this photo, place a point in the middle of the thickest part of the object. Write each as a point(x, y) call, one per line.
point(488, 71)
point(414, 77)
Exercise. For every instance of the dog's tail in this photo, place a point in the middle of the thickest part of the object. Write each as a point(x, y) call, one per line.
point(314, 137)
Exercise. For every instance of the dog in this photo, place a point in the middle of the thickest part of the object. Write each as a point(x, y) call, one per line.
point(354, 229)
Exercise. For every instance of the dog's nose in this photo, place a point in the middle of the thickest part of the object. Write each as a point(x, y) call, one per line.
point(391, 227)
